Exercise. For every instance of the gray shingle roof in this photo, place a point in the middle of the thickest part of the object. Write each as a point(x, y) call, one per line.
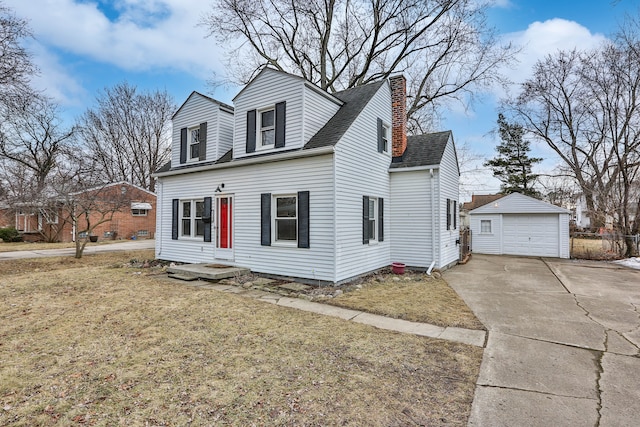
point(355, 99)
point(423, 150)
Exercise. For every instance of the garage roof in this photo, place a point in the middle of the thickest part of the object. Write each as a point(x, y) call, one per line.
point(516, 203)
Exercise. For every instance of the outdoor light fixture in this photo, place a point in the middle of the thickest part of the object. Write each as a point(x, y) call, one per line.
point(220, 187)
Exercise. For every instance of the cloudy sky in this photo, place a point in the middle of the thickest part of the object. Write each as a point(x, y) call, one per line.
point(83, 46)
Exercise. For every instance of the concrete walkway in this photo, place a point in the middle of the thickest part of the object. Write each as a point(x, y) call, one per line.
point(91, 248)
point(465, 336)
point(564, 341)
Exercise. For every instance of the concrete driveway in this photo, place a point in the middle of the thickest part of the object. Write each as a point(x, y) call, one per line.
point(563, 347)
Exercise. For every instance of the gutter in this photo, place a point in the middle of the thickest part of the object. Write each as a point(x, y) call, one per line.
point(415, 168)
point(246, 161)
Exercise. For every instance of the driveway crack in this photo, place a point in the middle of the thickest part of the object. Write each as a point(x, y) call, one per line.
point(545, 393)
point(599, 367)
point(599, 372)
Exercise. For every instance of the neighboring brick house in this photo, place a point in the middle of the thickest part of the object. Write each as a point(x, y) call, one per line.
point(136, 217)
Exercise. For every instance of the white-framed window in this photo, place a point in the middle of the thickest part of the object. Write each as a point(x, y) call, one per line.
point(267, 126)
point(191, 223)
point(385, 138)
point(143, 233)
point(485, 226)
point(193, 135)
point(285, 218)
point(47, 216)
point(139, 212)
point(82, 235)
point(372, 229)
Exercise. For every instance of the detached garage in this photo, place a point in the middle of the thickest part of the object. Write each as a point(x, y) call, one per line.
point(520, 225)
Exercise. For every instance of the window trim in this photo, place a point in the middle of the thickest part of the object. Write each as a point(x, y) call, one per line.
point(373, 219)
point(274, 218)
point(192, 219)
point(140, 212)
point(377, 220)
point(386, 129)
point(260, 129)
point(191, 143)
point(490, 222)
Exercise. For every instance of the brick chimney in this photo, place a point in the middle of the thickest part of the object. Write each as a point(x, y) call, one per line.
point(399, 116)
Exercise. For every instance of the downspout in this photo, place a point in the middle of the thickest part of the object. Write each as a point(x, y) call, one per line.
point(433, 218)
point(159, 214)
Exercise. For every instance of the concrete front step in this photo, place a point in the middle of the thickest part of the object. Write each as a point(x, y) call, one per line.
point(206, 271)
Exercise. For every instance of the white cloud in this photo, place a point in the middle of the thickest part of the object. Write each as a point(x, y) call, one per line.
point(54, 79)
point(543, 38)
point(146, 34)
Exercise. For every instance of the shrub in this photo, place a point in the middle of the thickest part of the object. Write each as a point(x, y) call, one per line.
point(10, 234)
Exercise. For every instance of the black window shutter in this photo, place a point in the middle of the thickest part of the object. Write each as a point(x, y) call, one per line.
point(303, 219)
point(174, 219)
point(380, 219)
point(281, 119)
point(183, 145)
point(455, 217)
point(380, 141)
point(448, 214)
point(206, 217)
point(365, 220)
point(251, 131)
point(265, 219)
point(203, 142)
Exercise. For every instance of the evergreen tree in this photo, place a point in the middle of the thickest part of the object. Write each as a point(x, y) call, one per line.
point(513, 165)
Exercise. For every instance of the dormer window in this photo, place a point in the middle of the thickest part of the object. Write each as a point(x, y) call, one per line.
point(267, 127)
point(194, 143)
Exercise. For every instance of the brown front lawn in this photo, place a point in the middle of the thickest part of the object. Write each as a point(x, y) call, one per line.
point(90, 342)
point(414, 296)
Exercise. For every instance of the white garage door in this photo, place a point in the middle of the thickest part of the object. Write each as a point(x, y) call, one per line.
point(532, 235)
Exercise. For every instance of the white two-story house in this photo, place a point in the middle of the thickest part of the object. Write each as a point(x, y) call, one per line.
point(294, 181)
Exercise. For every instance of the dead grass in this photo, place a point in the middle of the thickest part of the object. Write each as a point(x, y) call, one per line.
point(86, 343)
point(27, 246)
point(415, 297)
point(599, 249)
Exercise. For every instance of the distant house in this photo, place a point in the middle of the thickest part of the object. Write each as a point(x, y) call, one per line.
point(51, 222)
point(295, 181)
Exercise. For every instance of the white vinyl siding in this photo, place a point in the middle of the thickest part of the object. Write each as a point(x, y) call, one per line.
point(411, 220)
point(307, 111)
point(266, 90)
point(318, 110)
point(313, 174)
point(486, 243)
point(361, 171)
point(196, 110)
point(449, 189)
point(225, 134)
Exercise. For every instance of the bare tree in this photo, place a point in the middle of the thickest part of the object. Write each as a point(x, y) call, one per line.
point(127, 134)
point(584, 105)
point(16, 66)
point(444, 47)
point(33, 138)
point(84, 207)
